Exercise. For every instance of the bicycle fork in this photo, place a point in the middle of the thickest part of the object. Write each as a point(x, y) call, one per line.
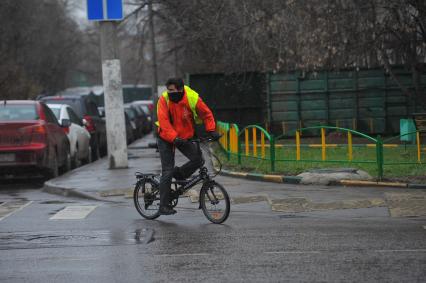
point(212, 197)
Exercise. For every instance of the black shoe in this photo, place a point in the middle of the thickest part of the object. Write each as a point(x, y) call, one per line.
point(177, 174)
point(165, 210)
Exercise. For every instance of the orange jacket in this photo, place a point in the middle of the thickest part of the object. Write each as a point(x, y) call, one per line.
point(181, 123)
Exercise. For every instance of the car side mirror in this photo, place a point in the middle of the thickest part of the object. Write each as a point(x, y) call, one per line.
point(65, 123)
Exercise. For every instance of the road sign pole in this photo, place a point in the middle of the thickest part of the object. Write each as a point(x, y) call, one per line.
point(114, 109)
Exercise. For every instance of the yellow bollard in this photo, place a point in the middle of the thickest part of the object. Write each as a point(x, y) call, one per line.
point(297, 145)
point(247, 142)
point(226, 140)
point(262, 140)
point(323, 144)
point(350, 146)
point(419, 156)
point(254, 143)
point(235, 141)
point(232, 139)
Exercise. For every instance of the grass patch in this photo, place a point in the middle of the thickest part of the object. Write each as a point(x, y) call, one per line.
point(395, 159)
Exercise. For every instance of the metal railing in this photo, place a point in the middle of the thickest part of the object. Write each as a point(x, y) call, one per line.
point(247, 141)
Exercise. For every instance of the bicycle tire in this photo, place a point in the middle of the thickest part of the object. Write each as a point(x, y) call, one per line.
point(143, 202)
point(213, 194)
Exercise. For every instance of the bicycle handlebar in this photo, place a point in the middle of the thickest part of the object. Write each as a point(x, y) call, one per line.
point(204, 139)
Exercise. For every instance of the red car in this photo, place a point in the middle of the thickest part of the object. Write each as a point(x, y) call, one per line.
point(32, 140)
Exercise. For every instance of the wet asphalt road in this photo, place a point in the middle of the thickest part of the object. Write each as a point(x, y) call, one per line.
point(114, 244)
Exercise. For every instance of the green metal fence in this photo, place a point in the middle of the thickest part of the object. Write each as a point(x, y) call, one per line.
point(254, 142)
point(366, 100)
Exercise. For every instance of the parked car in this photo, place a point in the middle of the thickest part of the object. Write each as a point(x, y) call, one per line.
point(129, 129)
point(86, 109)
point(79, 137)
point(31, 139)
point(144, 111)
point(148, 103)
point(135, 122)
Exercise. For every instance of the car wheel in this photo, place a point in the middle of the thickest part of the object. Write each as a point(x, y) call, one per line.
point(53, 170)
point(76, 162)
point(88, 158)
point(96, 154)
point(67, 164)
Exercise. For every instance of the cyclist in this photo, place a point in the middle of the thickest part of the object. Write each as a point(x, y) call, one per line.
point(179, 109)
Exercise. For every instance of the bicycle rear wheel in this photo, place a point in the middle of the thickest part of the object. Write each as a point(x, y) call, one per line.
point(215, 202)
point(146, 197)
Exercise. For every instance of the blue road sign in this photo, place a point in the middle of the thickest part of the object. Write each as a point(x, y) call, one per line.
point(105, 10)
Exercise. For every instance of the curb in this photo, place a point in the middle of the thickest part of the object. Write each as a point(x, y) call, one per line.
point(262, 177)
point(69, 192)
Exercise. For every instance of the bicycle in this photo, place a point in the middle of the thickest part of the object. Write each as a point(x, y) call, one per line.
point(213, 198)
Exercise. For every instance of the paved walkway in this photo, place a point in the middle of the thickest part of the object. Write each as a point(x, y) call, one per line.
point(96, 181)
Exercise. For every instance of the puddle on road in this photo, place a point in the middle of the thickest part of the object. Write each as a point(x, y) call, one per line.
point(144, 236)
point(23, 240)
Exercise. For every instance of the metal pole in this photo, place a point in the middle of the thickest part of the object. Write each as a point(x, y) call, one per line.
point(114, 110)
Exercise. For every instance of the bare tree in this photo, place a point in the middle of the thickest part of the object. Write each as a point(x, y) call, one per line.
point(36, 52)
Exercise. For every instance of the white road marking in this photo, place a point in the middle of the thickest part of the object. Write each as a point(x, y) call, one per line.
point(74, 212)
point(424, 227)
point(10, 207)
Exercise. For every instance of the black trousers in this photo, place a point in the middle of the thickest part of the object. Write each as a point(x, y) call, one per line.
point(168, 171)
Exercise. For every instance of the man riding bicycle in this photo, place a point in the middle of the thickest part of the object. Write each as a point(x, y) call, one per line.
point(179, 109)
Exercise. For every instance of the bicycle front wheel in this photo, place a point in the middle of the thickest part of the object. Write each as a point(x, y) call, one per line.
point(215, 202)
point(146, 197)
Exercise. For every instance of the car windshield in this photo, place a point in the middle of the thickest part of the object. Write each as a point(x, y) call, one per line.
point(57, 112)
point(145, 109)
point(74, 103)
point(130, 112)
point(17, 112)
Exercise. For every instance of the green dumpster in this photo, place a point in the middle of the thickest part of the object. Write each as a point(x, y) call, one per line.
point(407, 126)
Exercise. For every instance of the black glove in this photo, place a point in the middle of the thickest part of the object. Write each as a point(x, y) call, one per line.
point(214, 135)
point(178, 142)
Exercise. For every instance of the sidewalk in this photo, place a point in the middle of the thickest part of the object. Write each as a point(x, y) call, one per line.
point(95, 181)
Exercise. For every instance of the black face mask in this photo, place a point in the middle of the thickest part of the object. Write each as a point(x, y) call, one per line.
point(176, 96)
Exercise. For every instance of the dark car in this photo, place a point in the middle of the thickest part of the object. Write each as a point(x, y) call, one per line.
point(144, 111)
point(129, 129)
point(86, 109)
point(31, 140)
point(135, 121)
